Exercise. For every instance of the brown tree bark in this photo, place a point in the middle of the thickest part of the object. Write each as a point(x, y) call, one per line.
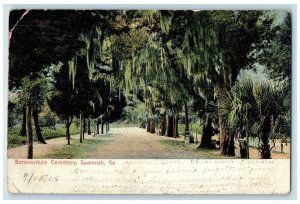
point(170, 129)
point(23, 127)
point(265, 151)
point(207, 133)
point(68, 124)
point(102, 126)
point(148, 124)
point(84, 129)
point(84, 126)
point(37, 126)
point(162, 119)
point(150, 121)
point(81, 127)
point(97, 128)
point(187, 129)
point(29, 132)
point(226, 139)
point(152, 126)
point(175, 132)
point(89, 126)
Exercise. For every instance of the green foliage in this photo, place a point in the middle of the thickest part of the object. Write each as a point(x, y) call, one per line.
point(12, 114)
point(160, 60)
point(48, 120)
point(194, 128)
point(276, 53)
point(175, 143)
point(33, 92)
point(14, 138)
point(76, 150)
point(258, 109)
point(135, 114)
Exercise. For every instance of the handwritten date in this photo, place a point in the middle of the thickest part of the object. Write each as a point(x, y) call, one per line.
point(40, 178)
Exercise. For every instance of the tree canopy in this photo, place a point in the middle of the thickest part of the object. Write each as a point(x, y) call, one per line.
point(96, 62)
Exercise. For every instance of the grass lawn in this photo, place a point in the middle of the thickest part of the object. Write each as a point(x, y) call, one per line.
point(14, 139)
point(202, 153)
point(76, 150)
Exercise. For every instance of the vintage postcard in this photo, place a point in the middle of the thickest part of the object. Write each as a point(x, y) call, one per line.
point(149, 101)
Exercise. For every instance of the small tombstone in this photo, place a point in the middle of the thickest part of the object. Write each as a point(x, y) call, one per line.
point(188, 138)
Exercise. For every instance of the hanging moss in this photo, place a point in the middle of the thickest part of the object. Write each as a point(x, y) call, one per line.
point(165, 21)
point(72, 70)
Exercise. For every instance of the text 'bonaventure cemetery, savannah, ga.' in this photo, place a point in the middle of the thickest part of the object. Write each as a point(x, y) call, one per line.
point(158, 84)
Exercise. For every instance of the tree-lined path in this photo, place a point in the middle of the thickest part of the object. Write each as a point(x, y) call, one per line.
point(119, 143)
point(123, 143)
point(171, 72)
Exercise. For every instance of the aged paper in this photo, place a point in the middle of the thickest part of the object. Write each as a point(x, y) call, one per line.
point(151, 176)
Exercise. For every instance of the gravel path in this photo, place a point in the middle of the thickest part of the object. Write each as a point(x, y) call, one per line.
point(136, 143)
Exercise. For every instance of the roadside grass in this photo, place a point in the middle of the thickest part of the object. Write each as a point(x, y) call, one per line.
point(14, 139)
point(202, 153)
point(174, 143)
point(76, 150)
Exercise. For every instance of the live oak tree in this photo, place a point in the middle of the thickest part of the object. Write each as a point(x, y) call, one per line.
point(223, 32)
point(39, 38)
point(62, 98)
point(31, 96)
point(275, 53)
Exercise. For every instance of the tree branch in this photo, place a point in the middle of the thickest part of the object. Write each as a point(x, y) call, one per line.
point(12, 29)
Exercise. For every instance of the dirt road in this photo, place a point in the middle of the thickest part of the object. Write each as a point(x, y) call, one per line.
point(123, 143)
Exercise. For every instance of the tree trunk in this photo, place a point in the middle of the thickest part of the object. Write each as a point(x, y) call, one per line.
point(175, 132)
point(106, 130)
point(265, 147)
point(81, 127)
point(37, 127)
point(207, 132)
point(148, 124)
point(102, 126)
point(89, 127)
point(162, 123)
point(23, 128)
point(84, 129)
point(226, 139)
point(152, 126)
point(29, 132)
point(170, 129)
point(108, 126)
point(84, 126)
point(187, 129)
point(68, 123)
point(97, 127)
point(150, 121)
